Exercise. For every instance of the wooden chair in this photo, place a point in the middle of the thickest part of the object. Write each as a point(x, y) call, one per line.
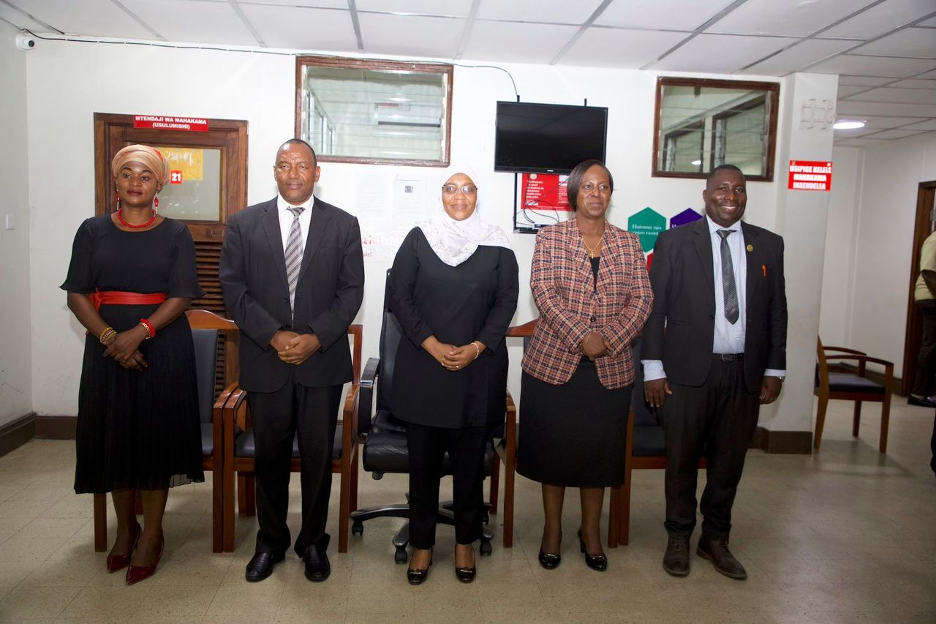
point(851, 387)
point(205, 329)
point(239, 447)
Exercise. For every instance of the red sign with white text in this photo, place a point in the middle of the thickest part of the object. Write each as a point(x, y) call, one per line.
point(175, 177)
point(544, 191)
point(185, 124)
point(810, 175)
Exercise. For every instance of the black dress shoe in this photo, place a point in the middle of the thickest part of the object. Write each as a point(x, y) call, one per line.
point(920, 401)
point(550, 561)
point(595, 562)
point(466, 575)
point(417, 576)
point(676, 557)
point(261, 565)
point(317, 568)
point(716, 551)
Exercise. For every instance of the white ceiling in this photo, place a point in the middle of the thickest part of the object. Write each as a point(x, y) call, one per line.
point(884, 51)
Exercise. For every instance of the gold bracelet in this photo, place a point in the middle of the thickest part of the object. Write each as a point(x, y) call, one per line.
point(477, 349)
point(105, 335)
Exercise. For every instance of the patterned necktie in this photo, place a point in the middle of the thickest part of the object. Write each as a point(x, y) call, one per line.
point(729, 288)
point(293, 254)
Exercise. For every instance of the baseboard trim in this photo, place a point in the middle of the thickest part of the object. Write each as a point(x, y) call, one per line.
point(56, 427)
point(16, 433)
point(790, 442)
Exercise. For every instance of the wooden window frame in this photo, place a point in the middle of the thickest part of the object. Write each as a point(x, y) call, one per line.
point(376, 64)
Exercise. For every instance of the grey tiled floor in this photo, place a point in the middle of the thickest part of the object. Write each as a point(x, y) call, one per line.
point(846, 535)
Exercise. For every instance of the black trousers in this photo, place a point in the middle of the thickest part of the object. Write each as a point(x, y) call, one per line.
point(427, 446)
point(311, 414)
point(926, 360)
point(717, 421)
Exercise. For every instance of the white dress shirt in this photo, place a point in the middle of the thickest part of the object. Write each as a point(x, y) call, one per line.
point(286, 219)
point(729, 338)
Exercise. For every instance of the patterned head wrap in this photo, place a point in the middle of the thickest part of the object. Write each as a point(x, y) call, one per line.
point(149, 157)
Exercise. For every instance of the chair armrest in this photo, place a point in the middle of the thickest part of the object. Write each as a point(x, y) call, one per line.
point(843, 350)
point(236, 409)
point(365, 398)
point(863, 360)
point(510, 427)
point(349, 414)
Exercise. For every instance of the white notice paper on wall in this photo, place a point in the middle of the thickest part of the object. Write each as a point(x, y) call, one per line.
point(409, 201)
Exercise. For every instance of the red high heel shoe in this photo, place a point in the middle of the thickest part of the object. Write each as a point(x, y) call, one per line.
point(116, 563)
point(135, 574)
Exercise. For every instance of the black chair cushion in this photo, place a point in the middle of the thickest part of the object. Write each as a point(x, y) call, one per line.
point(649, 441)
point(245, 446)
point(385, 449)
point(206, 349)
point(844, 382)
point(207, 439)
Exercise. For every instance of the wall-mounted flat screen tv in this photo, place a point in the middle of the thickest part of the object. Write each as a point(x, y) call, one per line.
point(548, 138)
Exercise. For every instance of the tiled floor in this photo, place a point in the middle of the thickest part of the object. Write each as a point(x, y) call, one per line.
point(846, 535)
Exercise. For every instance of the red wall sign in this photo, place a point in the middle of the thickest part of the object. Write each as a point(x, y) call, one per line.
point(810, 175)
point(186, 124)
point(544, 191)
point(175, 177)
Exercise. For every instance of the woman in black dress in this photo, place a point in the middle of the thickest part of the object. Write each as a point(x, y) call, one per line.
point(589, 281)
point(131, 277)
point(453, 287)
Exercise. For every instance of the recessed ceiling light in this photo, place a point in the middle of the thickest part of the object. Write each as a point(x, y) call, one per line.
point(847, 124)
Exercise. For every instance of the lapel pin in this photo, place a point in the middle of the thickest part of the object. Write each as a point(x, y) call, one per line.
point(750, 247)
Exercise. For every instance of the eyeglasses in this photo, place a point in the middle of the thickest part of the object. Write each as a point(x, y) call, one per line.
point(451, 189)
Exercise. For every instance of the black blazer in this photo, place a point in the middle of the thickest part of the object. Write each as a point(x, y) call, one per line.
point(328, 295)
point(681, 328)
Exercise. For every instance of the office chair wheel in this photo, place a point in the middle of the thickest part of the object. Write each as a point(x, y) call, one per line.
point(376, 476)
point(486, 548)
point(357, 528)
point(400, 556)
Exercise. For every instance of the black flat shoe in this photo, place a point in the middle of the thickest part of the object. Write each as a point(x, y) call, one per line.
point(550, 561)
point(595, 562)
point(466, 575)
point(261, 566)
point(415, 576)
point(317, 567)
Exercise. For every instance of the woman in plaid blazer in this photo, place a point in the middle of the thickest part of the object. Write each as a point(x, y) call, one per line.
point(589, 281)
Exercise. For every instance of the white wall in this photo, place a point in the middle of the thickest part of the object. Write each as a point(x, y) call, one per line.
point(260, 89)
point(15, 356)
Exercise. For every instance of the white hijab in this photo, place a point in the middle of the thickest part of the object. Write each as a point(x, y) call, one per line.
point(455, 241)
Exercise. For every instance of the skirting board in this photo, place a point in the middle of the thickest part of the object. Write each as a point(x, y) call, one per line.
point(790, 442)
point(17, 433)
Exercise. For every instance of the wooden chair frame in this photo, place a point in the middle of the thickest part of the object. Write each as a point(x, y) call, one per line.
point(237, 417)
point(825, 394)
point(198, 319)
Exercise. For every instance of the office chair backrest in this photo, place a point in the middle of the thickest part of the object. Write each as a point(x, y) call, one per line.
point(390, 335)
point(206, 352)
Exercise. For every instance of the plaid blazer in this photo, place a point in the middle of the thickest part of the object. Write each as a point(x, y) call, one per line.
point(571, 305)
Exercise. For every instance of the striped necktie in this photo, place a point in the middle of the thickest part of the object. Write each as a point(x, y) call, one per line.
point(293, 254)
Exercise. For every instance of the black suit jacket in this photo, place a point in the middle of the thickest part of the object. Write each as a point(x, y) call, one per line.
point(328, 295)
point(681, 328)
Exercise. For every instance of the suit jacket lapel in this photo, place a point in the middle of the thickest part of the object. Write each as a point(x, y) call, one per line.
point(317, 226)
point(755, 267)
point(271, 227)
point(702, 241)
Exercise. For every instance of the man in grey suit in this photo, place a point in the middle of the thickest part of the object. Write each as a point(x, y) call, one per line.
point(292, 274)
point(714, 350)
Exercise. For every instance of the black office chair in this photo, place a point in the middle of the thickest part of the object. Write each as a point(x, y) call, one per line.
point(385, 449)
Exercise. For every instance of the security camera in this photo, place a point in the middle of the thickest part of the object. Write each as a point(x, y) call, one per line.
point(25, 41)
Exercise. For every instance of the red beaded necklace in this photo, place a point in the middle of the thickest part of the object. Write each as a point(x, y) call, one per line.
point(135, 227)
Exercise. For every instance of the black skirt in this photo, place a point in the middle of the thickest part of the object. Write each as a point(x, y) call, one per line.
point(573, 434)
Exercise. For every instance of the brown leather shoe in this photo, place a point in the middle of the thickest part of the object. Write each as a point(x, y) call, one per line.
point(716, 551)
point(676, 557)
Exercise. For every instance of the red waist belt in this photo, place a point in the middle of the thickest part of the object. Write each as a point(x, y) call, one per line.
point(116, 297)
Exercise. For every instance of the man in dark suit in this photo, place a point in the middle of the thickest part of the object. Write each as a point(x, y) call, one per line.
point(292, 273)
point(715, 350)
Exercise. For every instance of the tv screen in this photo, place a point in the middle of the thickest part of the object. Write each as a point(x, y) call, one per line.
point(548, 138)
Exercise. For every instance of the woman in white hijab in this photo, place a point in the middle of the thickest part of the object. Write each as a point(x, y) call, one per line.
point(453, 287)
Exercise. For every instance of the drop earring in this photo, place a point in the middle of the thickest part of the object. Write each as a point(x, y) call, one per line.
point(118, 202)
point(155, 203)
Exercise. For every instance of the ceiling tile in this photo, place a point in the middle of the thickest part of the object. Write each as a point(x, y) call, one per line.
point(552, 11)
point(19, 20)
point(884, 123)
point(456, 8)
point(99, 18)
point(914, 84)
point(303, 28)
point(897, 134)
point(196, 22)
point(930, 23)
point(616, 47)
point(858, 142)
point(848, 107)
point(408, 35)
point(523, 43)
point(930, 75)
point(903, 96)
point(882, 18)
point(321, 4)
point(872, 66)
point(845, 91)
point(653, 14)
point(800, 55)
point(916, 42)
point(863, 81)
point(792, 18)
point(722, 54)
point(929, 124)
